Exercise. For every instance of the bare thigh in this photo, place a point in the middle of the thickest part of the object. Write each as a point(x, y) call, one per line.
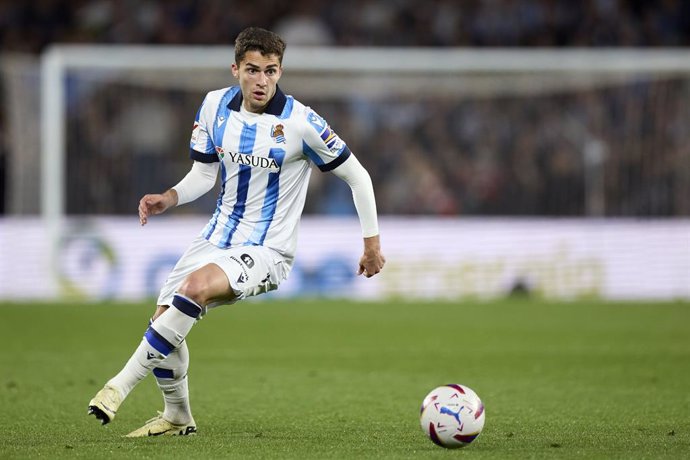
point(206, 285)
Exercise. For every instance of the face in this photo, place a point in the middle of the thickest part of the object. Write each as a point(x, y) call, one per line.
point(258, 76)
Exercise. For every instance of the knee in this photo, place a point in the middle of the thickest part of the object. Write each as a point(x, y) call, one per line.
point(196, 288)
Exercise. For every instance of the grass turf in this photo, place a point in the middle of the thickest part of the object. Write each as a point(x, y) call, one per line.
point(328, 379)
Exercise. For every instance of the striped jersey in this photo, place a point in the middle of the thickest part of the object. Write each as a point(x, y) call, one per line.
point(264, 165)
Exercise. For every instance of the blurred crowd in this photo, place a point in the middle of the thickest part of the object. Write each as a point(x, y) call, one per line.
point(618, 150)
point(615, 151)
point(31, 25)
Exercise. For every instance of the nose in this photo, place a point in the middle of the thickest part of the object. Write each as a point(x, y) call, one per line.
point(262, 79)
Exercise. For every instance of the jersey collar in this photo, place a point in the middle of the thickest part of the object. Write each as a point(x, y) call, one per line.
point(275, 106)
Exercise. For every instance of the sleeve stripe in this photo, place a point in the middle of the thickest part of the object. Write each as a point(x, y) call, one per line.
point(210, 157)
point(337, 162)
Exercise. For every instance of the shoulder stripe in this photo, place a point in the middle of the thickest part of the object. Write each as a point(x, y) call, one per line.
point(222, 114)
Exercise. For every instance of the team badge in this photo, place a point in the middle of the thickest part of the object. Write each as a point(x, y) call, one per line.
point(277, 134)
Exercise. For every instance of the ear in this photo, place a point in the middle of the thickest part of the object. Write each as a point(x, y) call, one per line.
point(235, 70)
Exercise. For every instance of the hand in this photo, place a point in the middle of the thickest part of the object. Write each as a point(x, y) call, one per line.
point(152, 205)
point(372, 260)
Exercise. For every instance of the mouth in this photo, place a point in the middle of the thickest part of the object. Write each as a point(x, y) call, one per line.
point(259, 95)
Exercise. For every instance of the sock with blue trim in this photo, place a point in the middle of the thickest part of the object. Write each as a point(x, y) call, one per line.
point(165, 334)
point(171, 377)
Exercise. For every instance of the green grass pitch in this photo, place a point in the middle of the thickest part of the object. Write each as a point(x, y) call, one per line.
point(329, 379)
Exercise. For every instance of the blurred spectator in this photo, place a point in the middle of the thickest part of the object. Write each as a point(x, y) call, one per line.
point(4, 172)
point(615, 151)
point(31, 25)
point(304, 25)
point(619, 151)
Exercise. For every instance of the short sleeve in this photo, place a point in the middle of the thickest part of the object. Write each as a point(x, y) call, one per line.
point(201, 144)
point(321, 144)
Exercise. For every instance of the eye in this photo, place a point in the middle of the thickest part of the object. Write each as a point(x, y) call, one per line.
point(271, 72)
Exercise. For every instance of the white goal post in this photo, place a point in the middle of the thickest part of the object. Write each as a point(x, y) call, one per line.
point(417, 69)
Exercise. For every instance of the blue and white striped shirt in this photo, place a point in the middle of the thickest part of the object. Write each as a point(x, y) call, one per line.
point(265, 166)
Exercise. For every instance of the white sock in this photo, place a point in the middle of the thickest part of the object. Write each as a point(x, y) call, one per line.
point(171, 377)
point(165, 334)
point(145, 357)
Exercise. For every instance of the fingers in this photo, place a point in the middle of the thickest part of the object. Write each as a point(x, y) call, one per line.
point(371, 272)
point(369, 268)
point(144, 210)
point(151, 205)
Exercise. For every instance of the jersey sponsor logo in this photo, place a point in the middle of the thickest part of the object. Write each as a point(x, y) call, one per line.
point(278, 134)
point(254, 161)
point(244, 276)
point(220, 152)
point(247, 259)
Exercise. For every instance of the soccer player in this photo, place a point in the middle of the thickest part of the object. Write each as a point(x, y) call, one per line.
point(263, 142)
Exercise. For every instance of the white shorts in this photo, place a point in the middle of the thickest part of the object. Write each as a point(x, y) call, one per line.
point(251, 270)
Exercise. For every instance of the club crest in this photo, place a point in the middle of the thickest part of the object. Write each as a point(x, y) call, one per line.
point(278, 134)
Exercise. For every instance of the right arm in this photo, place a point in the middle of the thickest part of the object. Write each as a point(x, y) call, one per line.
point(199, 180)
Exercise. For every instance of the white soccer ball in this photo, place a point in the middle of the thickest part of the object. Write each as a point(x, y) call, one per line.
point(452, 415)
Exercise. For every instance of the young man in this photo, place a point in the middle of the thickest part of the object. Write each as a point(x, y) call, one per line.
point(263, 142)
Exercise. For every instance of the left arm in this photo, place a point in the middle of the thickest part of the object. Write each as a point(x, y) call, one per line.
point(354, 174)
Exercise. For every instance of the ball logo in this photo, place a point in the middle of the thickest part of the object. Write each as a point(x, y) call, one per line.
point(452, 416)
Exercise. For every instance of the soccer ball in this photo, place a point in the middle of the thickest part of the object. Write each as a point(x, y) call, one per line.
point(452, 415)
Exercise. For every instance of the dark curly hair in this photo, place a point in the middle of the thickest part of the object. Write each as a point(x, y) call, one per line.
point(261, 40)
